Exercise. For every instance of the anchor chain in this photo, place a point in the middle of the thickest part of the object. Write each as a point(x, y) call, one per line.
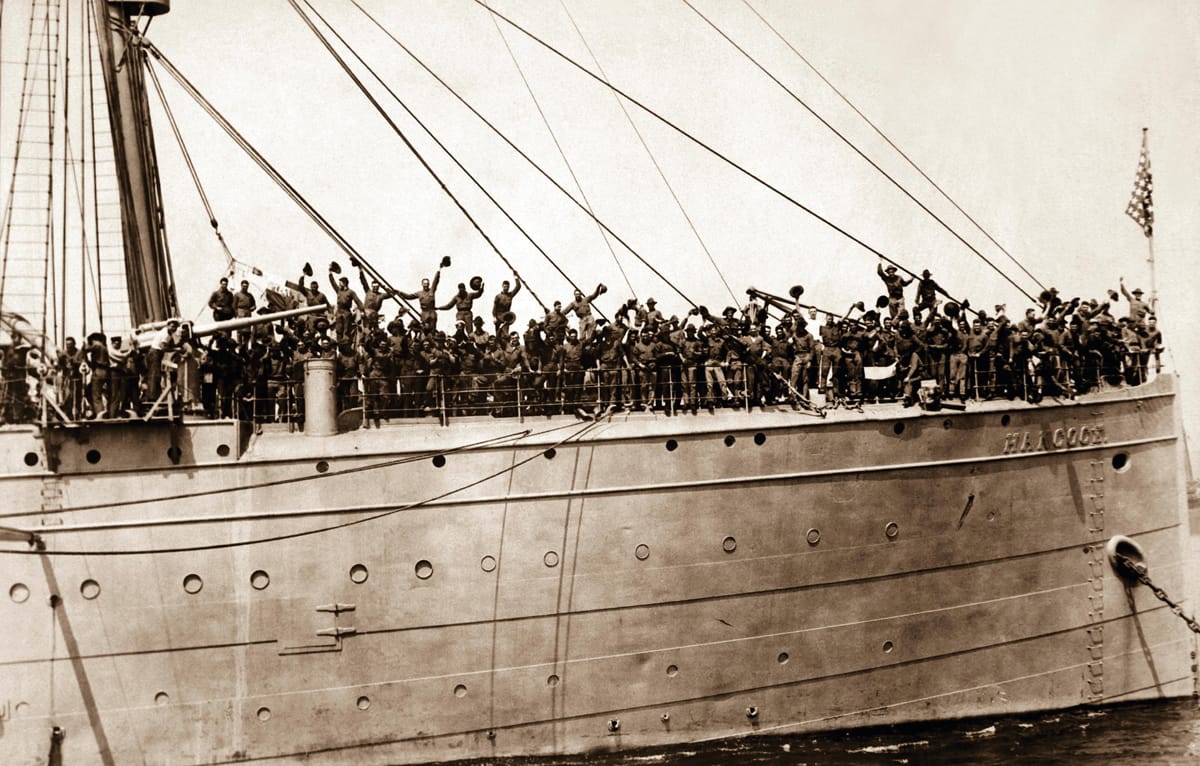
point(1137, 570)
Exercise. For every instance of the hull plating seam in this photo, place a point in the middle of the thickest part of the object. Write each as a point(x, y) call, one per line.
point(705, 599)
point(569, 494)
point(789, 684)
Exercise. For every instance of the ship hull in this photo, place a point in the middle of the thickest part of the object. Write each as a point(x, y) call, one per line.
point(422, 593)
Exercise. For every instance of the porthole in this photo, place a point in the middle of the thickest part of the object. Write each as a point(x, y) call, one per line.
point(31, 459)
point(174, 453)
point(19, 593)
point(322, 466)
point(898, 429)
point(642, 552)
point(423, 570)
point(363, 702)
point(439, 461)
point(1120, 461)
point(672, 670)
point(359, 574)
point(672, 445)
point(193, 584)
point(92, 456)
point(488, 563)
point(161, 699)
point(1005, 419)
point(760, 438)
point(551, 558)
point(222, 450)
point(947, 424)
point(892, 530)
point(460, 691)
point(264, 714)
point(89, 589)
point(888, 646)
point(259, 580)
point(729, 545)
point(783, 658)
point(813, 536)
point(551, 680)
point(550, 453)
point(729, 440)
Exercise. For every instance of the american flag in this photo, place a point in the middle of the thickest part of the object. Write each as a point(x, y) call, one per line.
point(1141, 204)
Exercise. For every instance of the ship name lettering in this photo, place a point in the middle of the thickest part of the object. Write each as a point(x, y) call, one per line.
point(1017, 442)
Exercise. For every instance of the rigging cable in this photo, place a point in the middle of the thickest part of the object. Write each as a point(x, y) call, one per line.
point(61, 315)
point(399, 133)
point(710, 149)
point(51, 106)
point(187, 158)
point(562, 153)
point(650, 154)
point(889, 142)
point(273, 174)
point(98, 283)
point(857, 151)
point(521, 153)
point(456, 161)
point(573, 436)
point(491, 198)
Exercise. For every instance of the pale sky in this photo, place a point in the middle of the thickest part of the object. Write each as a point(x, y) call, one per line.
point(1029, 113)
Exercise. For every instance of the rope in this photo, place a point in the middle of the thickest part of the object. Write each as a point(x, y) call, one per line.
point(522, 154)
point(98, 280)
point(396, 129)
point(706, 147)
point(319, 530)
point(561, 153)
point(271, 172)
point(650, 154)
point(889, 142)
point(857, 151)
point(455, 160)
point(187, 158)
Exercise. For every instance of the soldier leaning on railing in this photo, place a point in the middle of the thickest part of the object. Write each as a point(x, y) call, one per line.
point(639, 359)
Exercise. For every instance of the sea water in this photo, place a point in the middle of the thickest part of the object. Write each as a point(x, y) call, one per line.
point(1147, 734)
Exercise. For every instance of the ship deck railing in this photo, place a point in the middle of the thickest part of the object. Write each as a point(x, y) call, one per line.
point(444, 397)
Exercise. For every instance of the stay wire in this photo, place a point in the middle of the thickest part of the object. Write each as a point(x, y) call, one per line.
point(187, 158)
point(646, 147)
point(561, 152)
point(856, 150)
point(319, 530)
point(706, 147)
point(428, 132)
point(396, 129)
point(274, 174)
point(455, 160)
point(523, 154)
point(890, 143)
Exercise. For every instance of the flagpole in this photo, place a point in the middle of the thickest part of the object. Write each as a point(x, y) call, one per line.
point(1150, 237)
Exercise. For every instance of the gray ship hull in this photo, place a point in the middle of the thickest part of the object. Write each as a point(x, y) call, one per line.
point(496, 587)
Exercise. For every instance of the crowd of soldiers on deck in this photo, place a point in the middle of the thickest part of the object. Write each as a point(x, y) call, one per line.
point(768, 352)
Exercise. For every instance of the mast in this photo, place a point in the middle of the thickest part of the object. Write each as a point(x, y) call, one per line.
point(150, 283)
